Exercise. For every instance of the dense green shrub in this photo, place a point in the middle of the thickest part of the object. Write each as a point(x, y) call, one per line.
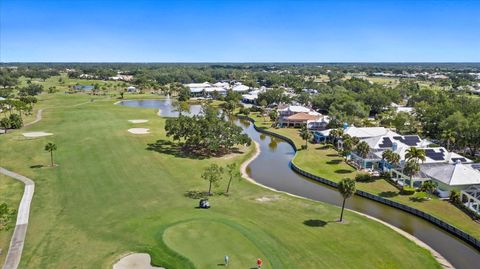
point(407, 190)
point(386, 175)
point(364, 177)
point(5, 124)
point(455, 197)
point(245, 111)
point(16, 121)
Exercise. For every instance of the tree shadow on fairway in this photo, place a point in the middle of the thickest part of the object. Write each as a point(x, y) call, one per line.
point(36, 166)
point(315, 223)
point(196, 194)
point(334, 161)
point(174, 149)
point(388, 194)
point(343, 171)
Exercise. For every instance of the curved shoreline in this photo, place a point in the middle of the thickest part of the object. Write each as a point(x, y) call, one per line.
point(437, 256)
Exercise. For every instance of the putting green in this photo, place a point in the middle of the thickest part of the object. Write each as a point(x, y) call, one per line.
point(205, 243)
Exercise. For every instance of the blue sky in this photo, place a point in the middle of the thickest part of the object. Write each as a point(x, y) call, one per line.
point(239, 31)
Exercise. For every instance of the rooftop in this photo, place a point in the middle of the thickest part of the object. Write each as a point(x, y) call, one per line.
point(452, 174)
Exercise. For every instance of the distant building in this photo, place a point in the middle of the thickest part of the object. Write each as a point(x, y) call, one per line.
point(241, 88)
point(131, 89)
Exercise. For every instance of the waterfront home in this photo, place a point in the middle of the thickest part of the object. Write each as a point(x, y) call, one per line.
point(131, 89)
point(297, 116)
point(450, 176)
point(360, 132)
point(448, 170)
point(250, 98)
point(470, 197)
point(300, 119)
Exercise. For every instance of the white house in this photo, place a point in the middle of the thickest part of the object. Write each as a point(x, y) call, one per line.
point(240, 88)
point(449, 176)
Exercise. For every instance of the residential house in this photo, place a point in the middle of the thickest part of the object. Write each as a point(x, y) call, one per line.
point(297, 116)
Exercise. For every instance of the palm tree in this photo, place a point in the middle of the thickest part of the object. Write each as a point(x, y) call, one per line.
point(429, 187)
point(347, 146)
point(335, 134)
point(51, 147)
point(232, 171)
point(347, 188)
point(416, 154)
point(394, 159)
point(411, 168)
point(449, 137)
point(386, 156)
point(305, 134)
point(363, 149)
point(413, 156)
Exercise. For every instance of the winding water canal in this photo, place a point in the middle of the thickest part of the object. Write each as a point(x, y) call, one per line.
point(272, 168)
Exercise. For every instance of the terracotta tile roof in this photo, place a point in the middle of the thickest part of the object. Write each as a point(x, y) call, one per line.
point(303, 117)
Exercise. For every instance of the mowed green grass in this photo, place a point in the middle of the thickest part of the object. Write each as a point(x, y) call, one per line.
point(11, 192)
point(110, 196)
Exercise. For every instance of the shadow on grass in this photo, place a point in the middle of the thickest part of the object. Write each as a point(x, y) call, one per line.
point(324, 147)
point(36, 166)
point(196, 194)
point(418, 199)
point(171, 148)
point(179, 151)
point(343, 171)
point(388, 194)
point(315, 223)
point(334, 161)
point(332, 155)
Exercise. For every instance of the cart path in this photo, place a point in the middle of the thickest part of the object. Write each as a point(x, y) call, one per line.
point(18, 238)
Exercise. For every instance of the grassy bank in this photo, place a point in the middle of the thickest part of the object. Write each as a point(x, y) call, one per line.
point(111, 195)
point(11, 192)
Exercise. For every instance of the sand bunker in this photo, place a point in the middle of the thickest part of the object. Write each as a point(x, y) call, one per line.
point(138, 121)
point(139, 130)
point(36, 134)
point(135, 261)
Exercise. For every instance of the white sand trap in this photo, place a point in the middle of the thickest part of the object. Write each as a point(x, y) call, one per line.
point(138, 121)
point(36, 134)
point(135, 261)
point(139, 130)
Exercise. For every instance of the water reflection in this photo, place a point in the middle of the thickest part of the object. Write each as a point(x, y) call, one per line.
point(273, 144)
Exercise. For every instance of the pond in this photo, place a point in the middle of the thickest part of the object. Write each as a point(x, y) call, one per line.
point(164, 106)
point(272, 168)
